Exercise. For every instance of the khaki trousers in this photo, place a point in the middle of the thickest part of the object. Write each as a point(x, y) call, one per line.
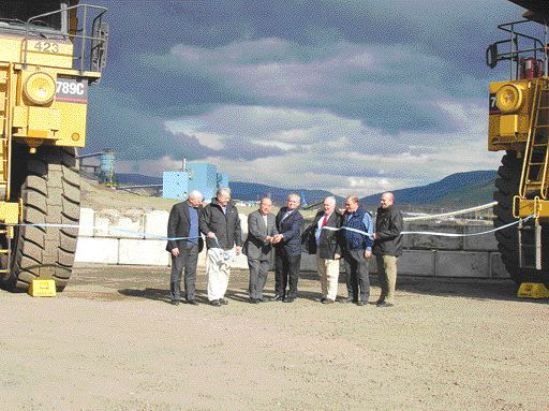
point(328, 270)
point(218, 273)
point(387, 273)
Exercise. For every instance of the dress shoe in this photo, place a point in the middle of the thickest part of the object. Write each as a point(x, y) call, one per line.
point(289, 300)
point(380, 301)
point(348, 300)
point(215, 303)
point(385, 304)
point(327, 301)
point(224, 301)
point(261, 300)
point(174, 302)
point(192, 302)
point(361, 303)
point(277, 297)
point(254, 301)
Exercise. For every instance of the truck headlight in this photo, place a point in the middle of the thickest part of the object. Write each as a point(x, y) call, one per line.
point(39, 88)
point(509, 98)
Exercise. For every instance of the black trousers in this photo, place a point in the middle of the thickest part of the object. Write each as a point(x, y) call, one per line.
point(357, 275)
point(286, 272)
point(258, 277)
point(187, 259)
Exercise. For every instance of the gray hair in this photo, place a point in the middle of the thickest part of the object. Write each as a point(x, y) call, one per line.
point(196, 195)
point(331, 199)
point(294, 195)
point(223, 190)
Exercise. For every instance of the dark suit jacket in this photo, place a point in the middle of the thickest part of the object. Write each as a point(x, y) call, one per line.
point(179, 225)
point(290, 228)
point(330, 241)
point(255, 247)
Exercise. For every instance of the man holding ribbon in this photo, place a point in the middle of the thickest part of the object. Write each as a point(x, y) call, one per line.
point(220, 224)
point(387, 247)
point(324, 240)
point(258, 247)
point(184, 244)
point(288, 249)
point(357, 233)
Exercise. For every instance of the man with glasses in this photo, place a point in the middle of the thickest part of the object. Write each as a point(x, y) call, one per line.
point(356, 230)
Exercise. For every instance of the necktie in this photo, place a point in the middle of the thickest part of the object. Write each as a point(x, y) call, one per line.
point(326, 216)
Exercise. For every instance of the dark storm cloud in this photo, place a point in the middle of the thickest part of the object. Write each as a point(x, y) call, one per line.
point(441, 45)
point(116, 121)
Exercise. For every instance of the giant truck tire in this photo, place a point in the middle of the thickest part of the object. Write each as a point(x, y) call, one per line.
point(507, 186)
point(50, 193)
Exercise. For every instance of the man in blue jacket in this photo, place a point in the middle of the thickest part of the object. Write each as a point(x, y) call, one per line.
point(288, 250)
point(357, 250)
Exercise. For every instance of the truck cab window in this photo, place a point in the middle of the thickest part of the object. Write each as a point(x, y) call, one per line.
point(19, 11)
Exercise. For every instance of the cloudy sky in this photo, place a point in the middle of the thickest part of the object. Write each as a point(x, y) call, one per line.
point(349, 96)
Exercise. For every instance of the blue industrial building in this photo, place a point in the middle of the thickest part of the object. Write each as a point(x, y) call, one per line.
point(175, 185)
point(222, 180)
point(199, 176)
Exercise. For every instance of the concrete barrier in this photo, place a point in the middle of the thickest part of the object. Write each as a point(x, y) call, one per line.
point(468, 257)
point(97, 250)
point(142, 252)
point(417, 262)
point(462, 264)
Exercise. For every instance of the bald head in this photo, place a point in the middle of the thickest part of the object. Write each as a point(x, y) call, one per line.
point(387, 199)
point(265, 205)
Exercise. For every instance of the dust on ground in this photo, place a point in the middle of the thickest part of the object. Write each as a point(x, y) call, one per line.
point(112, 341)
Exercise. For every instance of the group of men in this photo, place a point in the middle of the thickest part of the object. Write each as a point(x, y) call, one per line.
point(334, 235)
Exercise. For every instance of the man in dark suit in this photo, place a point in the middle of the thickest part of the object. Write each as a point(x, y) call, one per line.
point(288, 249)
point(323, 239)
point(184, 222)
point(258, 247)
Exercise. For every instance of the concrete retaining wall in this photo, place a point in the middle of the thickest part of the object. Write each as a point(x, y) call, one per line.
point(109, 237)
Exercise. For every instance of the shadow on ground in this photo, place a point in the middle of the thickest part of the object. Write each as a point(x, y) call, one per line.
point(153, 283)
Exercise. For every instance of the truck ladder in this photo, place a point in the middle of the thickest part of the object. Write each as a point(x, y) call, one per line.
point(534, 178)
point(5, 153)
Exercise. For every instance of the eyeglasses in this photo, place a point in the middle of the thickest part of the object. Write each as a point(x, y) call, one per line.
point(348, 204)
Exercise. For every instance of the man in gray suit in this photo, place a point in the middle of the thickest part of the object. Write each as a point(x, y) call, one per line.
point(258, 248)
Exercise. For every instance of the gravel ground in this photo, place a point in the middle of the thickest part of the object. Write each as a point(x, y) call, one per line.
point(112, 341)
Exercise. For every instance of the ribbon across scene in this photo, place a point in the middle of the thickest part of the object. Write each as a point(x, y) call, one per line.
point(434, 233)
point(429, 233)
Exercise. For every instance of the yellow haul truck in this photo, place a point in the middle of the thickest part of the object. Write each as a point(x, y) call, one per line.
point(519, 124)
point(50, 52)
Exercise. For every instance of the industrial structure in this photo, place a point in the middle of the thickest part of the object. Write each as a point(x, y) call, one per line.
point(104, 171)
point(519, 124)
point(50, 52)
point(201, 176)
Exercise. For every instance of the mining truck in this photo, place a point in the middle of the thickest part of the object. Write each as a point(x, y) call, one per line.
point(519, 125)
point(50, 53)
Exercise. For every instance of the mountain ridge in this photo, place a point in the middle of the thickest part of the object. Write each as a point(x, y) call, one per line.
point(464, 189)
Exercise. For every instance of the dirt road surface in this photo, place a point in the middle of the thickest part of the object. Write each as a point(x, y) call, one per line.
point(112, 341)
